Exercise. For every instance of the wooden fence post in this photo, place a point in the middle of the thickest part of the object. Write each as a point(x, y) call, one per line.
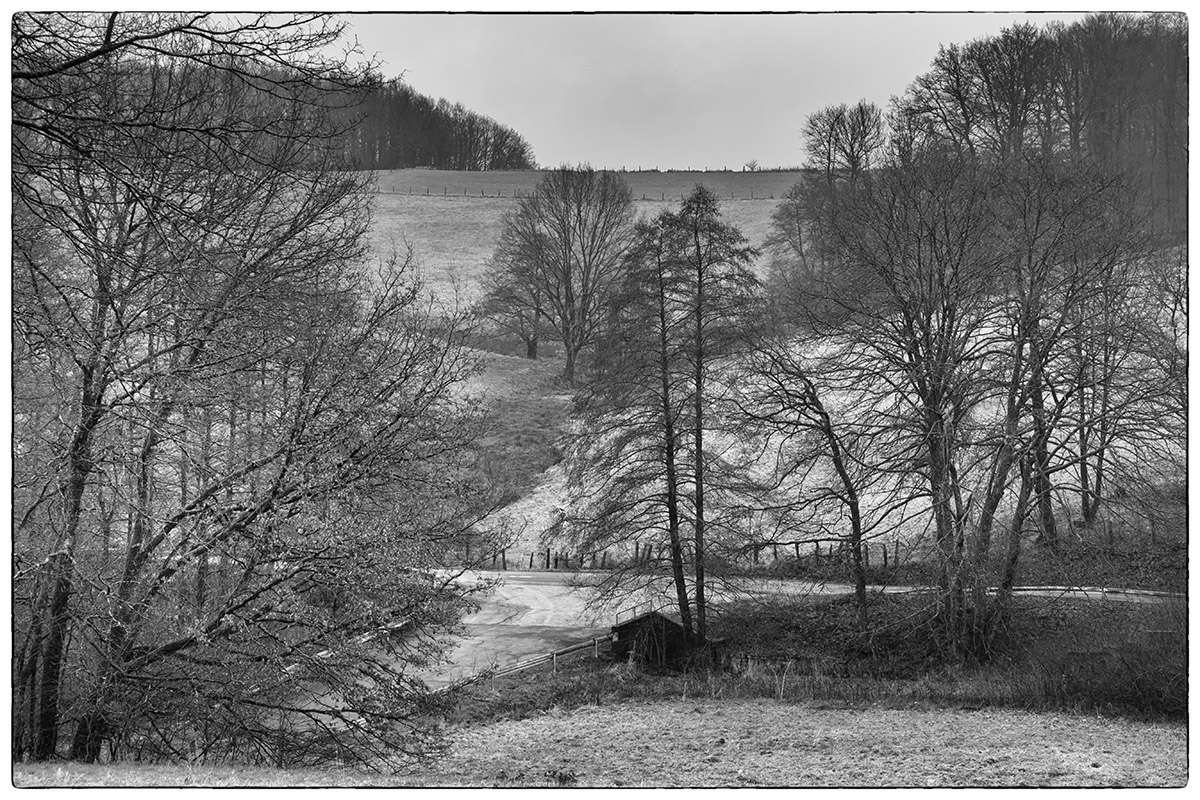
point(547, 558)
point(554, 662)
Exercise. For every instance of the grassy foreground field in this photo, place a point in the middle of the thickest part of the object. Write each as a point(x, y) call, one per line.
point(755, 743)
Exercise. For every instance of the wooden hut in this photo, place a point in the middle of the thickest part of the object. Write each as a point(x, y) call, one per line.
point(652, 638)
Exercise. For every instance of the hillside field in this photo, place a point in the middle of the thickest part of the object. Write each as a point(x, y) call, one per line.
point(453, 220)
point(644, 185)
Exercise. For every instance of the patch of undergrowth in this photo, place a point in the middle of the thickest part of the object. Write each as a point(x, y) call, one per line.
point(1142, 563)
point(528, 417)
point(524, 441)
point(1127, 659)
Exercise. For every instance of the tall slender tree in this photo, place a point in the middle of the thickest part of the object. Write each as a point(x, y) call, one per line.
point(689, 305)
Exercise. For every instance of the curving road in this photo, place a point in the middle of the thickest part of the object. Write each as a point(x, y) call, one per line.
point(528, 614)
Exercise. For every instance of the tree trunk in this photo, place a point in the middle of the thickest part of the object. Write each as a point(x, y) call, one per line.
point(701, 609)
point(851, 501)
point(1048, 531)
point(1013, 550)
point(60, 573)
point(90, 733)
point(950, 579)
point(670, 440)
point(1085, 483)
point(569, 365)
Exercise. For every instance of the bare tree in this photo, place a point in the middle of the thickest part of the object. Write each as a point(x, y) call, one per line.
point(720, 293)
point(648, 458)
point(626, 465)
point(963, 282)
point(841, 140)
point(514, 305)
point(561, 251)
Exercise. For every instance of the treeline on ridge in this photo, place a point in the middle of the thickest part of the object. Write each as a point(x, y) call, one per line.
point(398, 127)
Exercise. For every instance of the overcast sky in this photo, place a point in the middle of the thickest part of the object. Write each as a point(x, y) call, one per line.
point(667, 91)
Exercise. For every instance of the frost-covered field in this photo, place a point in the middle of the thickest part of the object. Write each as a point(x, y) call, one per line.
point(742, 743)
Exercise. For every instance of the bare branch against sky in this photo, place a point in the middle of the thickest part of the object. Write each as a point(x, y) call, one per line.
point(671, 91)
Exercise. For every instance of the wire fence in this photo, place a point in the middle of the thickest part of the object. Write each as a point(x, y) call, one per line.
point(884, 554)
point(494, 193)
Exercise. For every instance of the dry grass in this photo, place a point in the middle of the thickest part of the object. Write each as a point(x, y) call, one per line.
point(704, 743)
point(1055, 656)
point(529, 409)
point(1051, 654)
point(452, 238)
point(161, 775)
point(527, 518)
point(700, 742)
